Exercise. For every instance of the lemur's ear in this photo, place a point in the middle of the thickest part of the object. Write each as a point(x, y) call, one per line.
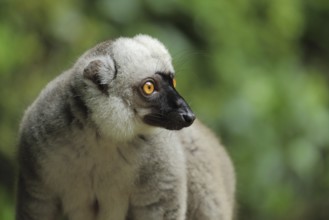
point(100, 73)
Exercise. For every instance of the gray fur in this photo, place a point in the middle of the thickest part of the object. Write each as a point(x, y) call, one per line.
point(86, 154)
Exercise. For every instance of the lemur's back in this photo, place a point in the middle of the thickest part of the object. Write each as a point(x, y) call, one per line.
point(211, 180)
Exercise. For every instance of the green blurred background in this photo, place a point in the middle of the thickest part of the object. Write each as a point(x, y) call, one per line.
point(255, 71)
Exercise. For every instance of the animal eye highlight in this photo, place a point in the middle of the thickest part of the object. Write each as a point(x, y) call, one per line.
point(148, 88)
point(174, 82)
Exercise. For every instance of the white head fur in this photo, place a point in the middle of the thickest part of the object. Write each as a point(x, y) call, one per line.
point(133, 59)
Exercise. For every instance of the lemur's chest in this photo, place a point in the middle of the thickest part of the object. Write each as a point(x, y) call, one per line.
point(90, 175)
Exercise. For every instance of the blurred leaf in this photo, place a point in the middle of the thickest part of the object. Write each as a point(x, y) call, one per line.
point(303, 157)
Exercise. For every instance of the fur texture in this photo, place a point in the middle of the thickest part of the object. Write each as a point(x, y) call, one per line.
point(85, 152)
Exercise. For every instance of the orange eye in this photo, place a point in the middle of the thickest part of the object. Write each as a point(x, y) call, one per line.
point(174, 82)
point(148, 88)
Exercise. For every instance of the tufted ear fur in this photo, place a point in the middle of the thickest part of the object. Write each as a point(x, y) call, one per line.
point(100, 72)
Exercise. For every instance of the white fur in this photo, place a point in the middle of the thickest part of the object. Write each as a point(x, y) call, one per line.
point(136, 58)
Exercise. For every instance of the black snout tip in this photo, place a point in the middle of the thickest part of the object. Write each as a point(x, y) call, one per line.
point(188, 118)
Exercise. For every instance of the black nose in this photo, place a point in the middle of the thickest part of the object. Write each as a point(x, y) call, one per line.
point(188, 118)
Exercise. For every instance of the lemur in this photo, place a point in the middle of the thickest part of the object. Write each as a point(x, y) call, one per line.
point(112, 139)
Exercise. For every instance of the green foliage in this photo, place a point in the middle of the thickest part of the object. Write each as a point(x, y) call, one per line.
point(6, 206)
point(255, 71)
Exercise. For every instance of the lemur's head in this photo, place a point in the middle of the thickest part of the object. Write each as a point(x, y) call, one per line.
point(129, 86)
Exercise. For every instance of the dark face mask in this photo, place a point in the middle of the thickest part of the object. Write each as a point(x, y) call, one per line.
point(168, 109)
